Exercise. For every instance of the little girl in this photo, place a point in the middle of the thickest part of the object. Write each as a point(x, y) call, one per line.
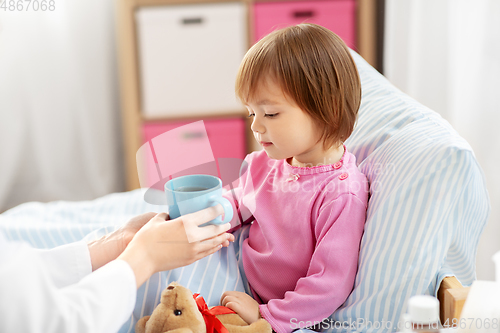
point(303, 193)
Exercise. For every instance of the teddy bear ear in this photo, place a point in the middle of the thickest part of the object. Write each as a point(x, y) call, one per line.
point(172, 285)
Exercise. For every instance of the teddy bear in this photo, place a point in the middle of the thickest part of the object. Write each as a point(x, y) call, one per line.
point(182, 312)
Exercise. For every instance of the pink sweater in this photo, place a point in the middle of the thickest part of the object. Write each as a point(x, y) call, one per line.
point(302, 251)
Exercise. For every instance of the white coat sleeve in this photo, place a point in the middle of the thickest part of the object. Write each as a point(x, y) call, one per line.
point(67, 264)
point(30, 301)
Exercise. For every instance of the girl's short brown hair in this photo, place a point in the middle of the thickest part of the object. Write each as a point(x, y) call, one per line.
point(314, 68)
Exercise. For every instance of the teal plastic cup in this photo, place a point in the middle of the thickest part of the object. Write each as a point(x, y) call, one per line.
point(191, 193)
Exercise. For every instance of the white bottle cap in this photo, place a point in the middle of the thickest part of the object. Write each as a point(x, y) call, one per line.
point(407, 323)
point(423, 309)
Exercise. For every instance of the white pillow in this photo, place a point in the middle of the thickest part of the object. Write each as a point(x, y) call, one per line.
point(427, 208)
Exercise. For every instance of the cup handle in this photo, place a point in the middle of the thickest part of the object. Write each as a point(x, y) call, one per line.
point(228, 211)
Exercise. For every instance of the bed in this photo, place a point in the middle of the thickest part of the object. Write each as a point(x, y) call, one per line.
point(428, 206)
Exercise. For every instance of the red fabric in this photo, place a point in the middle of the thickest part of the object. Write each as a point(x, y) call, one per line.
point(209, 315)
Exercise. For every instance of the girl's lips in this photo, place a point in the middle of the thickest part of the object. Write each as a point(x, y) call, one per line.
point(265, 144)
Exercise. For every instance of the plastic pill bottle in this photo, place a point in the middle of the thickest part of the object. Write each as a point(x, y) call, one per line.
point(423, 314)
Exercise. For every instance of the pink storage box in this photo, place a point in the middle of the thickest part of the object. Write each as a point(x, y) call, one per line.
point(336, 15)
point(226, 136)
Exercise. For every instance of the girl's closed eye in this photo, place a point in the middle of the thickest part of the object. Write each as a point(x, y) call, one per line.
point(268, 115)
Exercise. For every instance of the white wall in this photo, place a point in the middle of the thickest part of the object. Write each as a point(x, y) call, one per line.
point(59, 113)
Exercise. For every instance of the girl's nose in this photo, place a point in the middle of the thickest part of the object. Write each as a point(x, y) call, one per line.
point(257, 126)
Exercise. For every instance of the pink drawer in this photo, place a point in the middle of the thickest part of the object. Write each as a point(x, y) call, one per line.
point(336, 15)
point(189, 147)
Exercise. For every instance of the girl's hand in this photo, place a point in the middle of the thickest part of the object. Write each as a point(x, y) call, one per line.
point(166, 244)
point(243, 304)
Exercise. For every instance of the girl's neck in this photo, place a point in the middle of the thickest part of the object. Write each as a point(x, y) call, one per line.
point(330, 156)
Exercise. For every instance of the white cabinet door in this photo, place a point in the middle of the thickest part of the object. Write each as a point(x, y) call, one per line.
point(189, 56)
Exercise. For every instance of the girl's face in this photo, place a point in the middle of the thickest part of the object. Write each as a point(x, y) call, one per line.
point(282, 128)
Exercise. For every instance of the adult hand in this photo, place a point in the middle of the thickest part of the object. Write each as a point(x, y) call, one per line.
point(166, 244)
point(110, 246)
